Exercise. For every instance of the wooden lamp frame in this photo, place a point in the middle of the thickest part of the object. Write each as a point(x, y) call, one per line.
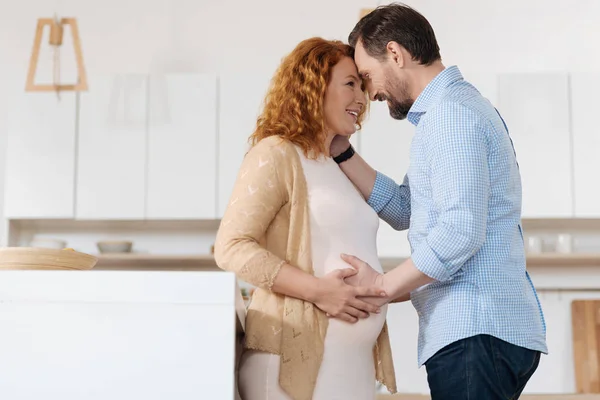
point(364, 11)
point(56, 33)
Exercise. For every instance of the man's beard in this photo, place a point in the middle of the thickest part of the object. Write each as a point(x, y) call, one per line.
point(398, 108)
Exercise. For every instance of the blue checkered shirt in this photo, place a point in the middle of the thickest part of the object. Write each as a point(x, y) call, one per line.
point(461, 198)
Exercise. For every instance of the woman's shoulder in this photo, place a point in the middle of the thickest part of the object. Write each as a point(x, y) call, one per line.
point(276, 147)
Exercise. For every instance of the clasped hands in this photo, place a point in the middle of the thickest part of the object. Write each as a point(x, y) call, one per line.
point(351, 293)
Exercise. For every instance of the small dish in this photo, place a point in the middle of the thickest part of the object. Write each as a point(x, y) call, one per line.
point(114, 246)
point(48, 243)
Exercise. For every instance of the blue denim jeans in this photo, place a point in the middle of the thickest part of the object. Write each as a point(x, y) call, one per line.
point(481, 367)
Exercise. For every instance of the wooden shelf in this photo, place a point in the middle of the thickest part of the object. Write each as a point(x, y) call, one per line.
point(564, 260)
point(154, 261)
point(116, 225)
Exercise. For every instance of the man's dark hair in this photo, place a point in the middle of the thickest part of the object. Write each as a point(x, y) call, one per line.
point(398, 23)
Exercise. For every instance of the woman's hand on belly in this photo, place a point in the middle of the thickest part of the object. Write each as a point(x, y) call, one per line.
point(343, 301)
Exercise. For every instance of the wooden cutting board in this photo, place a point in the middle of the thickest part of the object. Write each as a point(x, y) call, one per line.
point(28, 258)
point(585, 318)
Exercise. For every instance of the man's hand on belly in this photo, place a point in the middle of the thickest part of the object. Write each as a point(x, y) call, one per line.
point(338, 299)
point(366, 276)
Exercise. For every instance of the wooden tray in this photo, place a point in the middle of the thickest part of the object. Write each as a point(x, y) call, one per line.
point(585, 315)
point(33, 258)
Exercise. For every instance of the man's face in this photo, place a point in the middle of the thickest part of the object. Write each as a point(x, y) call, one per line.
point(384, 82)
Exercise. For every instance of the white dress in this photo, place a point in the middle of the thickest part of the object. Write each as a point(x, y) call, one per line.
point(341, 222)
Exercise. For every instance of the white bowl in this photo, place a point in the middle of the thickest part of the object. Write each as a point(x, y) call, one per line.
point(48, 243)
point(114, 246)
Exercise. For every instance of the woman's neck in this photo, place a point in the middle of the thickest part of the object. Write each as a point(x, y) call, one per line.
point(328, 140)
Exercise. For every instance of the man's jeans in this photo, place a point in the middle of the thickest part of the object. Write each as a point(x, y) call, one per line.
point(481, 367)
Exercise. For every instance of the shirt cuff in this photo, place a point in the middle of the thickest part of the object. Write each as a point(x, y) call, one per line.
point(382, 192)
point(428, 263)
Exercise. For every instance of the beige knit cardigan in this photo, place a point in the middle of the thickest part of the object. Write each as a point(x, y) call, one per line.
point(266, 223)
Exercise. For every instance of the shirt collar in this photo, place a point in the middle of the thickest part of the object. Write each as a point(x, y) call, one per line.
point(433, 92)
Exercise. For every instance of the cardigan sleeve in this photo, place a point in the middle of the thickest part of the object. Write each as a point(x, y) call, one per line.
point(258, 194)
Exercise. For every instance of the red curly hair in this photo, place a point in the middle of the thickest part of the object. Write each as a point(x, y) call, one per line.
point(293, 106)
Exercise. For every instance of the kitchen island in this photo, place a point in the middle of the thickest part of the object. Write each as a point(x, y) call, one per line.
point(119, 335)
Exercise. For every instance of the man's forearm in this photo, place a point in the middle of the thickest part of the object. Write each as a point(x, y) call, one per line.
point(381, 301)
point(401, 299)
point(399, 282)
point(360, 173)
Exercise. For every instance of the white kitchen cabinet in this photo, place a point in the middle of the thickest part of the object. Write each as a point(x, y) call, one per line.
point(119, 335)
point(182, 136)
point(586, 143)
point(240, 102)
point(385, 145)
point(111, 176)
point(536, 110)
point(40, 157)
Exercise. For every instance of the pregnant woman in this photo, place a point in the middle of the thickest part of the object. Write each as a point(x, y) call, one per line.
point(291, 215)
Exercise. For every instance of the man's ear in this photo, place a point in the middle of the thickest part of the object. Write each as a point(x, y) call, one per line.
point(396, 53)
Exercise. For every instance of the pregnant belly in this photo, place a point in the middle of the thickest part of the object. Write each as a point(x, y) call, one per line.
point(347, 370)
point(364, 332)
point(359, 335)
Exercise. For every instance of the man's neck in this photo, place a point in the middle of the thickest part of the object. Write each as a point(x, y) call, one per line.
point(424, 76)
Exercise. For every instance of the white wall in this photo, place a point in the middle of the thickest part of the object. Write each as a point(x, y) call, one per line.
point(149, 35)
